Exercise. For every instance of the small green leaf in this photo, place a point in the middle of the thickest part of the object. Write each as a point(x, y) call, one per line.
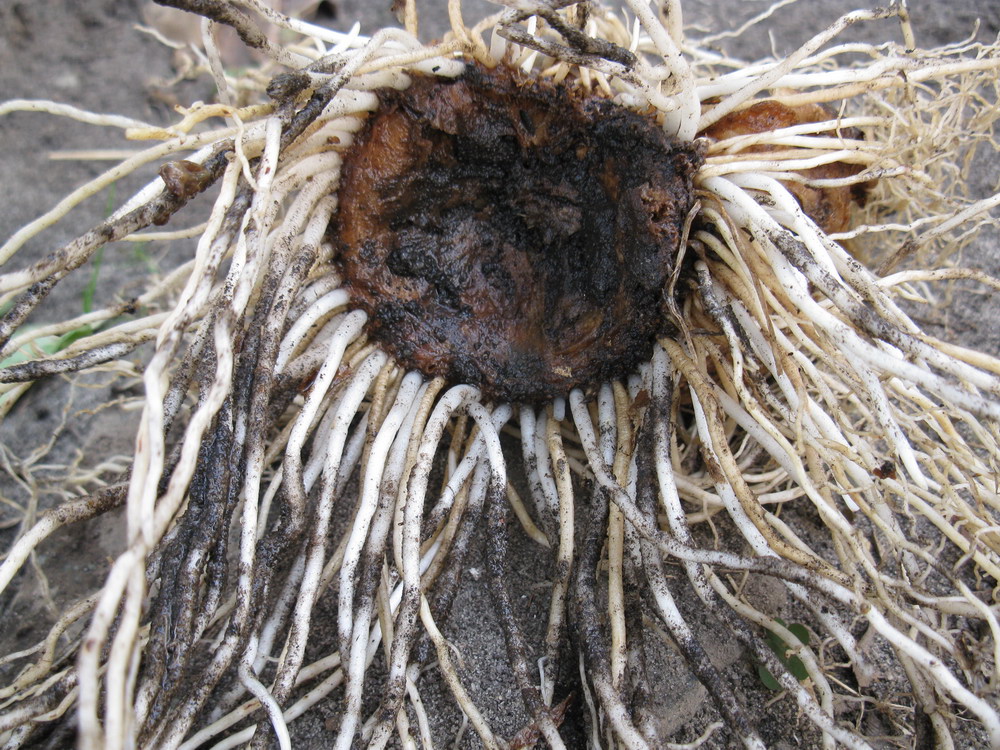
point(797, 668)
point(45, 345)
point(801, 632)
point(70, 336)
point(781, 649)
point(774, 641)
point(768, 679)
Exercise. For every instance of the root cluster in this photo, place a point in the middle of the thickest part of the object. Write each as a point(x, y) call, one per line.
point(285, 464)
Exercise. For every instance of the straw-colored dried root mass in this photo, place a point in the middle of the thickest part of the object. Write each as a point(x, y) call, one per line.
point(799, 428)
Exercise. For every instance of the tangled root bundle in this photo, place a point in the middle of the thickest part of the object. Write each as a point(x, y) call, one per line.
point(303, 456)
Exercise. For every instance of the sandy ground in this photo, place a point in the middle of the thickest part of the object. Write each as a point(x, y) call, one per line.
point(89, 53)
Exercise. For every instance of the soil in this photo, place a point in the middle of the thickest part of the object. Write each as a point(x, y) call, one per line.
point(90, 54)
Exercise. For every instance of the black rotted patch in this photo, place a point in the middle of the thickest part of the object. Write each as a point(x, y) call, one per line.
point(511, 234)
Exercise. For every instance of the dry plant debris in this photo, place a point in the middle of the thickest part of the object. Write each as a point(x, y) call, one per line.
point(284, 460)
